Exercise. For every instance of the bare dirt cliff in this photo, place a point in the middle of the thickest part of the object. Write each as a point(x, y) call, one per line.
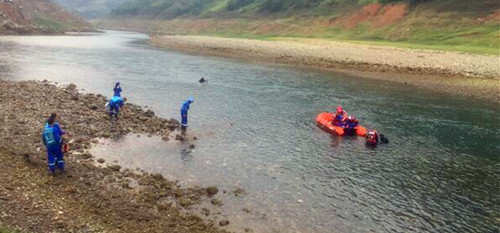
point(38, 17)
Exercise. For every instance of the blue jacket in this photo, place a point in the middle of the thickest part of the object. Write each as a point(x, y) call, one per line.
point(352, 124)
point(51, 135)
point(117, 91)
point(185, 105)
point(116, 101)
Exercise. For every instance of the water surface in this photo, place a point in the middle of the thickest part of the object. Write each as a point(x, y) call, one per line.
point(256, 130)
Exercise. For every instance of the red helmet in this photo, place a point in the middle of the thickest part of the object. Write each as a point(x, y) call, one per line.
point(339, 109)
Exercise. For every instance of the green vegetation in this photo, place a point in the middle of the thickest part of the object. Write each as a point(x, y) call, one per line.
point(49, 24)
point(91, 9)
point(7, 230)
point(168, 9)
point(453, 25)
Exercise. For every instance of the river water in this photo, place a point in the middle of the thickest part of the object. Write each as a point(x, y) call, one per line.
point(256, 131)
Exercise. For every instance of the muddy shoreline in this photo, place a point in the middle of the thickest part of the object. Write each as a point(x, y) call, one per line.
point(87, 198)
point(467, 75)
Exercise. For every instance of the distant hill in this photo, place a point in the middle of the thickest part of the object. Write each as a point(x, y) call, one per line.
point(38, 16)
point(91, 9)
point(467, 25)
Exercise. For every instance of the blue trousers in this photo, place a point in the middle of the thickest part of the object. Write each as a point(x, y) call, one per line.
point(115, 109)
point(184, 118)
point(55, 156)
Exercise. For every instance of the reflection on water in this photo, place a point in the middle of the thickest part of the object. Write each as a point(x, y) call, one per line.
point(256, 131)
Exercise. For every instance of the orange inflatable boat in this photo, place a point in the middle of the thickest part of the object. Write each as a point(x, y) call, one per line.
point(324, 121)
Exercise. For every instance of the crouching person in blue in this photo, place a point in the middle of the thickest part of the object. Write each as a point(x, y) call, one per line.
point(184, 112)
point(115, 104)
point(52, 140)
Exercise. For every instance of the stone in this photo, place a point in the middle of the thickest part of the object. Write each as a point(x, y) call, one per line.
point(238, 192)
point(158, 176)
point(185, 202)
point(179, 137)
point(71, 86)
point(101, 160)
point(224, 223)
point(216, 202)
point(149, 113)
point(115, 167)
point(212, 190)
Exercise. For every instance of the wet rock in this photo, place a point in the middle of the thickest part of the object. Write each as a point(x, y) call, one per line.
point(212, 190)
point(192, 146)
point(86, 156)
point(237, 192)
point(115, 167)
point(71, 87)
point(163, 207)
point(173, 124)
point(205, 211)
point(224, 223)
point(125, 185)
point(185, 202)
point(216, 202)
point(179, 137)
point(158, 176)
point(149, 113)
point(101, 161)
point(71, 189)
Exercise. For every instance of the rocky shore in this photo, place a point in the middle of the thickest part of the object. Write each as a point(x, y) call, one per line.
point(449, 72)
point(87, 198)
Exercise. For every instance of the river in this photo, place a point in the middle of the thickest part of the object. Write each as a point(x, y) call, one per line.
point(256, 131)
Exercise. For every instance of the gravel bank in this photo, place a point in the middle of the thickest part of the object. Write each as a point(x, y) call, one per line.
point(466, 74)
point(87, 198)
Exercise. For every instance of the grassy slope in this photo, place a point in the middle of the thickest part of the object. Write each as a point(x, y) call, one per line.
point(453, 25)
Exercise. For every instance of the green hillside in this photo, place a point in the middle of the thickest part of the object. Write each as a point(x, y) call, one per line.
point(463, 25)
point(91, 9)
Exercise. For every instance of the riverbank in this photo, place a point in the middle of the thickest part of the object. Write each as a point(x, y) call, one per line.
point(88, 198)
point(458, 73)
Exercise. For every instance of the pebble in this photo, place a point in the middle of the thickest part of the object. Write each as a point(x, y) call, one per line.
point(224, 223)
point(212, 190)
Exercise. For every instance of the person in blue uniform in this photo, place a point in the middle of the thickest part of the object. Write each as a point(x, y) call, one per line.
point(117, 90)
point(184, 112)
point(351, 122)
point(52, 140)
point(115, 104)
